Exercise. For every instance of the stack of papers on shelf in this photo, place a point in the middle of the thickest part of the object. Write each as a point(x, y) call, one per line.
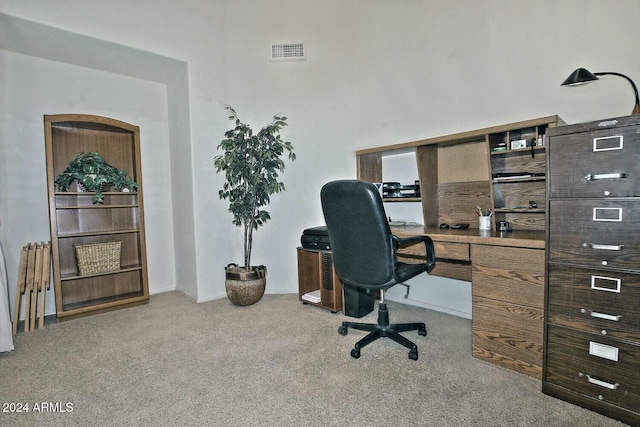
point(506, 178)
point(313, 297)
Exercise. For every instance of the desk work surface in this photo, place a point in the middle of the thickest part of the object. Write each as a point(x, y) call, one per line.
point(516, 238)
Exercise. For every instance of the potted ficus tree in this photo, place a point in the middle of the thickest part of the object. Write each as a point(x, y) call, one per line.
point(252, 164)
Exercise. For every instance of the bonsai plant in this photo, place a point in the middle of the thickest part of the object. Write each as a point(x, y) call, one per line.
point(252, 164)
point(93, 173)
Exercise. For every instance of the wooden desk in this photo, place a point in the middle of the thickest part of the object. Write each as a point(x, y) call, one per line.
point(506, 271)
point(458, 172)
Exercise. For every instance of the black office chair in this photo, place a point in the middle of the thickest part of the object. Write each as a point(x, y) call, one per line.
point(364, 255)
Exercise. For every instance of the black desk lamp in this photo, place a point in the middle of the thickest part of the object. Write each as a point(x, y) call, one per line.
point(582, 75)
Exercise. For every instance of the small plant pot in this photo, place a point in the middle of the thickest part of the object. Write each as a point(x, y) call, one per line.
point(245, 287)
point(103, 187)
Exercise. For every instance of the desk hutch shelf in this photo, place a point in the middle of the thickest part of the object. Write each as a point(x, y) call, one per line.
point(76, 220)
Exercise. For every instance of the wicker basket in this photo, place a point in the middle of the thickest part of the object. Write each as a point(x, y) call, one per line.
point(98, 257)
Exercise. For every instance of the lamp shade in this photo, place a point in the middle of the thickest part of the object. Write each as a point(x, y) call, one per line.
point(579, 76)
point(582, 75)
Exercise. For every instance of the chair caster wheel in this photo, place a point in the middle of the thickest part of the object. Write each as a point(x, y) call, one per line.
point(422, 332)
point(355, 353)
point(413, 355)
point(342, 330)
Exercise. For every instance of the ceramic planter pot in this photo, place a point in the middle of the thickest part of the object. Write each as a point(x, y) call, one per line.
point(245, 287)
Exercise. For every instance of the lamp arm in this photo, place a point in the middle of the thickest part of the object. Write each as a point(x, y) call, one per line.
point(633, 85)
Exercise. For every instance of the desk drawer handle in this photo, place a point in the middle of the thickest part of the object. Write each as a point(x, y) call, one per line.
point(615, 318)
point(596, 176)
point(603, 247)
point(600, 382)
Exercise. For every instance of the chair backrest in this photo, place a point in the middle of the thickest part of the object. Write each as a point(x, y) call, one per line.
point(362, 245)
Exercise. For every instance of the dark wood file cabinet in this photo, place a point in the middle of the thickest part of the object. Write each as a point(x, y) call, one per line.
point(592, 324)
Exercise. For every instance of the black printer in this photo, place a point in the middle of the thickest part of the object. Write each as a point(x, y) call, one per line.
point(316, 238)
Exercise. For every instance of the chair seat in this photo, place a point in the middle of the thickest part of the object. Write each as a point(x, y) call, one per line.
point(406, 271)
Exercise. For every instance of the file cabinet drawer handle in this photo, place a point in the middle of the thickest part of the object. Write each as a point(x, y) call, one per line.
point(600, 382)
point(615, 318)
point(603, 247)
point(596, 176)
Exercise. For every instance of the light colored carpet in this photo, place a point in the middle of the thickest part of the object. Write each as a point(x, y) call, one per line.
point(276, 363)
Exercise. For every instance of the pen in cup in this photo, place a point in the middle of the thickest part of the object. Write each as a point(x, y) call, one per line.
point(480, 211)
point(484, 220)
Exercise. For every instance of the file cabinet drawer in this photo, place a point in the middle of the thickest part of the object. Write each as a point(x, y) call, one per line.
point(599, 163)
point(600, 302)
point(603, 369)
point(595, 232)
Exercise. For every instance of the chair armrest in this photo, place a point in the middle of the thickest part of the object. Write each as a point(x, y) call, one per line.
point(430, 251)
point(408, 241)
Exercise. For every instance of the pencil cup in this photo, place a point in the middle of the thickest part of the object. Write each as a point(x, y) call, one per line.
point(484, 222)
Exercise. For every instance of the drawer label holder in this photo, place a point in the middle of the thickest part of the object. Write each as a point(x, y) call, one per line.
point(604, 351)
point(607, 214)
point(608, 143)
point(608, 284)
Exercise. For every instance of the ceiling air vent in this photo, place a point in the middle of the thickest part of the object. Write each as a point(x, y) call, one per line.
point(287, 52)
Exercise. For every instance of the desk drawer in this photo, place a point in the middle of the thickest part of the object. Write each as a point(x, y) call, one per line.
point(573, 362)
point(507, 287)
point(444, 250)
point(455, 251)
point(595, 232)
point(452, 259)
point(595, 164)
point(600, 302)
point(514, 275)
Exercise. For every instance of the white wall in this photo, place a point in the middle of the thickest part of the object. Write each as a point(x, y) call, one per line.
point(377, 72)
